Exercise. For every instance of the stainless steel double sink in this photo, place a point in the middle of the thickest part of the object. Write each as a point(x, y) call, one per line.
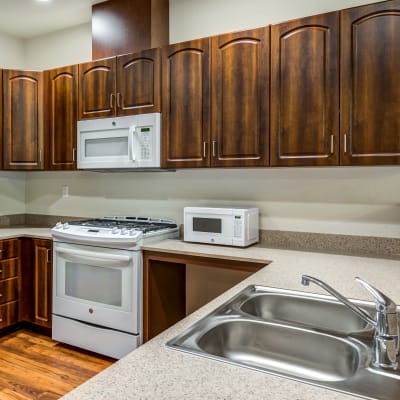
point(302, 336)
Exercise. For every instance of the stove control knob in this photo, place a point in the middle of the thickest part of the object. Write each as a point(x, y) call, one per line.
point(66, 225)
point(114, 230)
point(59, 225)
point(124, 231)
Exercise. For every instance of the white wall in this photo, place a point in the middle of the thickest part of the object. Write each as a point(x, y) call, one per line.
point(64, 47)
point(192, 19)
point(362, 201)
point(355, 200)
point(12, 52)
point(12, 192)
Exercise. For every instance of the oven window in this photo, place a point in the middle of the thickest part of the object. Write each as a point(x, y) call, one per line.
point(102, 285)
point(207, 225)
point(107, 147)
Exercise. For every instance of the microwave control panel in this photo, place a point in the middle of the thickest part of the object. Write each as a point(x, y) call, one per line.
point(144, 135)
point(237, 226)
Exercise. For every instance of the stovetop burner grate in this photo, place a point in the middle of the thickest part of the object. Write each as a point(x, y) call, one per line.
point(127, 223)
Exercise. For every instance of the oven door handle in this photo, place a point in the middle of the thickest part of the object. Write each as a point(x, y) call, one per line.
point(101, 259)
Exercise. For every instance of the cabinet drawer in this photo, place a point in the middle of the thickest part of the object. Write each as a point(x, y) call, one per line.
point(8, 290)
point(8, 314)
point(8, 268)
point(9, 248)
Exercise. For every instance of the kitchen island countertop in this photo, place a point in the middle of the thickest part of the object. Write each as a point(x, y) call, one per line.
point(154, 371)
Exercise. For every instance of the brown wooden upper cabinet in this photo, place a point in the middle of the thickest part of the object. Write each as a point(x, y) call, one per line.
point(240, 99)
point(370, 79)
point(123, 85)
point(23, 134)
point(232, 128)
point(305, 91)
point(186, 104)
point(61, 99)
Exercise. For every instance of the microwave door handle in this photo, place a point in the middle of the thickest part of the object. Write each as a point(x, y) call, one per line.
point(131, 147)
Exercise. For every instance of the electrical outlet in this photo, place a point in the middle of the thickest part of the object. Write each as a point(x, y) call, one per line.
point(65, 191)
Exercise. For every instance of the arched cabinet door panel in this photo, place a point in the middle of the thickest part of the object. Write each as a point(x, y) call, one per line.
point(23, 120)
point(186, 105)
point(305, 91)
point(370, 104)
point(138, 83)
point(97, 97)
point(240, 99)
point(61, 93)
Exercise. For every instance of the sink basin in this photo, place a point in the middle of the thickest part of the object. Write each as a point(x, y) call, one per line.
point(314, 312)
point(263, 345)
point(302, 336)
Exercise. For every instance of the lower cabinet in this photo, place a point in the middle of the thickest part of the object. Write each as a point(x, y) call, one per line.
point(26, 282)
point(10, 282)
point(42, 282)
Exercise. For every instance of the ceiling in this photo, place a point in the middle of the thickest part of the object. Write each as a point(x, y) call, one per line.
point(28, 18)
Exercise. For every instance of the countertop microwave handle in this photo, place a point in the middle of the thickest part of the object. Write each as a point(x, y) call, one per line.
point(131, 147)
point(101, 259)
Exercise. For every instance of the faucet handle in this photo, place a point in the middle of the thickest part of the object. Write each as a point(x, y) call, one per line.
point(383, 303)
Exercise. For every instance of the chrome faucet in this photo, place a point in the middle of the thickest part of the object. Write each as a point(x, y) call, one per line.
point(386, 323)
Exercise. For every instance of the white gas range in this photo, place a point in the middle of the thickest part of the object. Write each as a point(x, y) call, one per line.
point(97, 281)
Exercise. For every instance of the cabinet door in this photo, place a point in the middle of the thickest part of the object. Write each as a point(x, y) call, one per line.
point(42, 282)
point(23, 120)
point(240, 92)
point(61, 93)
point(138, 83)
point(305, 91)
point(186, 104)
point(97, 89)
point(370, 103)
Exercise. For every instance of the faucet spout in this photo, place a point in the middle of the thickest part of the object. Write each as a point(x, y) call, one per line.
point(306, 279)
point(386, 322)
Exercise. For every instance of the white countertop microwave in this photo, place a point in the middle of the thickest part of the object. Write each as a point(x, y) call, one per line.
point(225, 226)
point(120, 143)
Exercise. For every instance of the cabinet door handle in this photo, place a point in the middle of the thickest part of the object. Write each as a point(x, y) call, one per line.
point(344, 143)
point(111, 101)
point(48, 255)
point(40, 156)
point(1, 319)
point(213, 148)
point(118, 100)
point(204, 149)
point(332, 143)
point(73, 154)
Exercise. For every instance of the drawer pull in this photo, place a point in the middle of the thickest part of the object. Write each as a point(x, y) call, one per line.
point(1, 294)
point(1, 271)
point(1, 319)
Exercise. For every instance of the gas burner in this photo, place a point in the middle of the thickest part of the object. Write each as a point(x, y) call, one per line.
point(121, 232)
point(130, 223)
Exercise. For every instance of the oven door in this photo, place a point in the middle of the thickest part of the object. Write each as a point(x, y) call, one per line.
point(98, 285)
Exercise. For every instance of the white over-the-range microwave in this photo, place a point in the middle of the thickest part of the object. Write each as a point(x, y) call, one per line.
point(225, 226)
point(131, 142)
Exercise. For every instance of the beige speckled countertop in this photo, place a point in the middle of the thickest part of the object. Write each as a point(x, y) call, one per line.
point(13, 232)
point(155, 372)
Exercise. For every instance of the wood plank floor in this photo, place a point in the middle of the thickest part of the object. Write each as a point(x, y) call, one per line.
point(34, 367)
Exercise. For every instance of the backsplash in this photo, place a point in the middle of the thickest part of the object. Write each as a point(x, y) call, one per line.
point(362, 246)
point(36, 220)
